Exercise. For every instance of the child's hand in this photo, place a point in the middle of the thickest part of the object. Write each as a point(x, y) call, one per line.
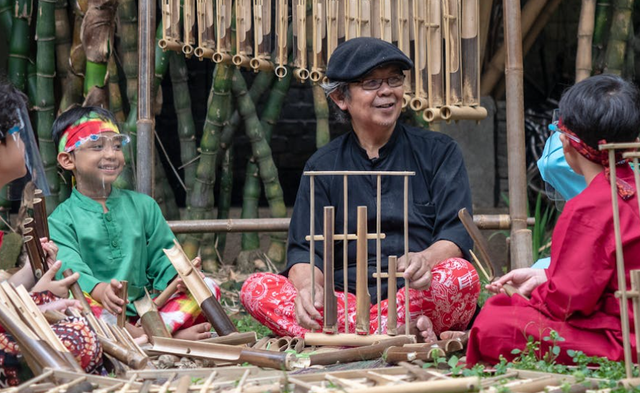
point(105, 293)
point(50, 249)
point(59, 305)
point(197, 263)
point(59, 288)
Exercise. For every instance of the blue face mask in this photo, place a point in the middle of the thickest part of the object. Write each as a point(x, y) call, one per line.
point(557, 173)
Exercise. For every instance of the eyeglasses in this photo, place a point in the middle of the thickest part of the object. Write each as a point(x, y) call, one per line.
point(375, 84)
point(99, 143)
point(553, 127)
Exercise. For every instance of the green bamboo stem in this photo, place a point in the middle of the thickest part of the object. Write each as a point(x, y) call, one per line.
point(161, 68)
point(158, 192)
point(321, 107)
point(32, 83)
point(186, 125)
point(19, 45)
point(201, 199)
point(45, 100)
point(115, 96)
point(262, 154)
point(618, 36)
point(72, 91)
point(250, 198)
point(6, 20)
point(128, 51)
point(600, 31)
point(63, 40)
point(224, 198)
point(94, 75)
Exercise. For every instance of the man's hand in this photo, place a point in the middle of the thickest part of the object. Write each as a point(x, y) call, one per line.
point(417, 269)
point(59, 305)
point(306, 308)
point(105, 293)
point(525, 280)
point(59, 288)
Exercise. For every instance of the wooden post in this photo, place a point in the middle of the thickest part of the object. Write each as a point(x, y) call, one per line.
point(363, 298)
point(330, 300)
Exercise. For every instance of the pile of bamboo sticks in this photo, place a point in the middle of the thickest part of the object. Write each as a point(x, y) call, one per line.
point(445, 81)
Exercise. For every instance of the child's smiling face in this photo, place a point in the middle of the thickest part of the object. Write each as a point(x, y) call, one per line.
point(98, 163)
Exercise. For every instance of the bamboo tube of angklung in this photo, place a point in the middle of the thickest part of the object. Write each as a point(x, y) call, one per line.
point(168, 40)
point(150, 318)
point(261, 36)
point(282, 25)
point(332, 16)
point(318, 34)
point(363, 298)
point(330, 301)
point(223, 35)
point(368, 352)
point(30, 229)
point(206, 34)
point(496, 68)
point(243, 36)
point(299, 18)
point(364, 18)
point(419, 101)
point(131, 358)
point(585, 36)
point(435, 81)
point(348, 339)
point(122, 293)
point(189, 25)
point(384, 20)
point(210, 306)
point(37, 264)
point(398, 354)
point(40, 214)
point(521, 254)
point(350, 19)
point(392, 291)
point(404, 44)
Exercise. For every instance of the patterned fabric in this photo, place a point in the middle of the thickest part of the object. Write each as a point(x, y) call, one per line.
point(599, 157)
point(74, 333)
point(81, 131)
point(449, 303)
point(180, 312)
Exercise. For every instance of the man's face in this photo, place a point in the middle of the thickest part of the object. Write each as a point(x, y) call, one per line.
point(374, 109)
point(99, 162)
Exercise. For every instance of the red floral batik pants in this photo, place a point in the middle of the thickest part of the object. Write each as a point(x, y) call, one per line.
point(449, 303)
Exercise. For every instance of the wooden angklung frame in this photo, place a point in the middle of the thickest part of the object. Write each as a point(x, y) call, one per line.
point(330, 325)
point(623, 293)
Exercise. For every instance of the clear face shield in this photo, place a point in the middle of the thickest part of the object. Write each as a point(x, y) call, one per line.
point(24, 139)
point(99, 160)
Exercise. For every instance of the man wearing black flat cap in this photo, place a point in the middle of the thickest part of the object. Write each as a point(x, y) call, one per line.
point(366, 84)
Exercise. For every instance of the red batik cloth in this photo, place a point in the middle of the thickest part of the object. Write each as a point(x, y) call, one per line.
point(74, 333)
point(449, 303)
point(180, 312)
point(578, 300)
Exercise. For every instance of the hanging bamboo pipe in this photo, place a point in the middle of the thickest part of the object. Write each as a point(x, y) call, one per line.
point(521, 253)
point(282, 20)
point(453, 73)
point(350, 19)
point(363, 298)
point(419, 101)
point(333, 16)
point(261, 36)
point(189, 24)
point(223, 36)
point(243, 26)
point(435, 81)
point(206, 39)
point(318, 33)
point(301, 73)
point(404, 44)
point(170, 39)
point(210, 306)
point(364, 18)
point(384, 20)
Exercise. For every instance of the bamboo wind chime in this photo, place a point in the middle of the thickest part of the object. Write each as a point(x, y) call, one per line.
point(329, 334)
point(441, 36)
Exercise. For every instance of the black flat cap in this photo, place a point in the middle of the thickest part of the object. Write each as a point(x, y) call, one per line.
point(355, 58)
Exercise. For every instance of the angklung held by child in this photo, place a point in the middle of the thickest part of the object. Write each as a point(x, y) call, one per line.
point(109, 234)
point(575, 296)
point(20, 163)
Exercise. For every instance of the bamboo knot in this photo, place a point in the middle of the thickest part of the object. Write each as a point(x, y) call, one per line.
point(46, 75)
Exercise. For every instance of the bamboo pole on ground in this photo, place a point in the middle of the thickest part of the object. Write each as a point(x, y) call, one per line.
point(521, 254)
point(45, 100)
point(496, 67)
point(19, 45)
point(585, 37)
point(202, 197)
point(618, 36)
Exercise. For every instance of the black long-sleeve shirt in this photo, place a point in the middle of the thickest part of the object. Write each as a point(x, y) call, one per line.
point(439, 188)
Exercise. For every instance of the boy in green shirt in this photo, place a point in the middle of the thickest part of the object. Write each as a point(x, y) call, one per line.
point(108, 234)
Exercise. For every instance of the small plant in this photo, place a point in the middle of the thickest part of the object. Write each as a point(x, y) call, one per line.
point(248, 324)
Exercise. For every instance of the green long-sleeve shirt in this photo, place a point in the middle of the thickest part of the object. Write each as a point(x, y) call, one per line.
point(125, 243)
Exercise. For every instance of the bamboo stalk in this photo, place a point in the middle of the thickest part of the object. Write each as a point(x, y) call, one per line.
point(202, 197)
point(618, 36)
point(600, 33)
point(72, 90)
point(224, 199)
point(6, 20)
point(585, 37)
point(321, 108)
point(63, 40)
point(19, 44)
point(115, 97)
point(261, 152)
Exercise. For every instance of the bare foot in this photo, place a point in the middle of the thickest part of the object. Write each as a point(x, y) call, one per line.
point(463, 336)
point(425, 329)
point(195, 332)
